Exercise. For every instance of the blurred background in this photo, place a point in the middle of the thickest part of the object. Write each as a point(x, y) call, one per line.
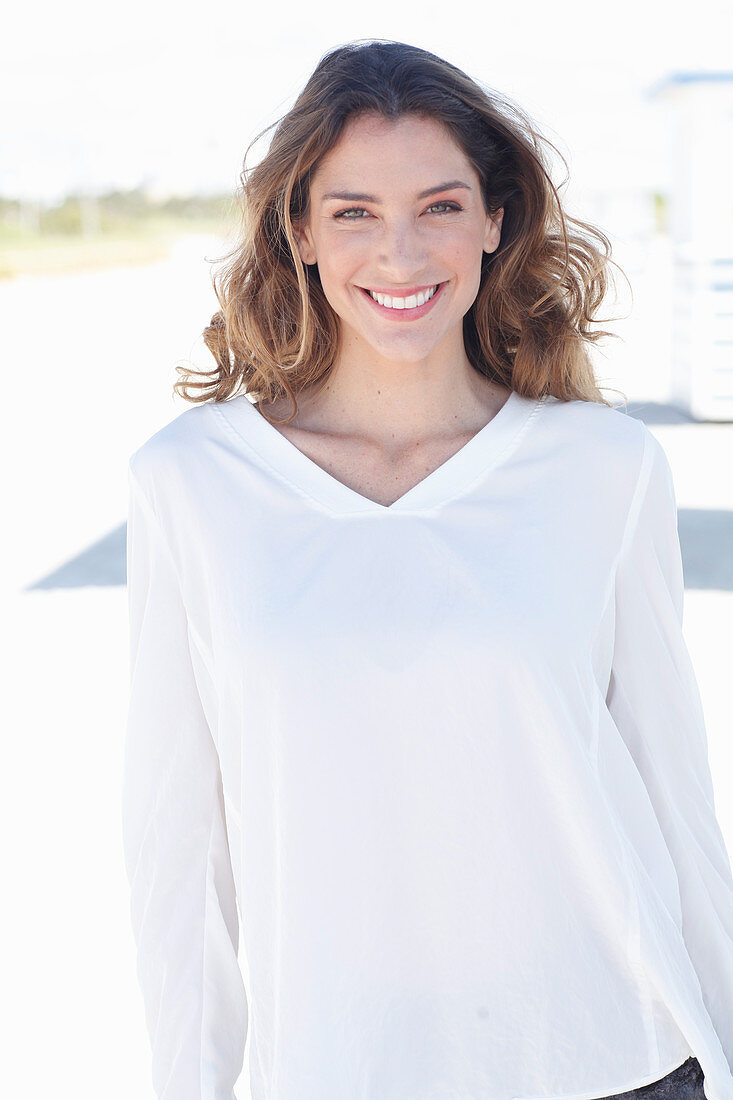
point(122, 133)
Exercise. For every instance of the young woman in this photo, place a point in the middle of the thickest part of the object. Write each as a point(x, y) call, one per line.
point(409, 690)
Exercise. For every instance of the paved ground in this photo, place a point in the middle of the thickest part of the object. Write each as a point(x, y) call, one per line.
point(88, 366)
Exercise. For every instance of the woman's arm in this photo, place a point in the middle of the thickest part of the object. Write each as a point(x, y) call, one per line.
point(654, 700)
point(183, 902)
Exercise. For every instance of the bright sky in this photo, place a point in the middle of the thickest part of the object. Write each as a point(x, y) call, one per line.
point(155, 91)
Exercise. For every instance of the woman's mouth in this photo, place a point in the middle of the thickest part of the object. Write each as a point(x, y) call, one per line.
point(405, 308)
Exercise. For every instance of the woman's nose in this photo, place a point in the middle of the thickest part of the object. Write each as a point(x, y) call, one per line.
point(401, 248)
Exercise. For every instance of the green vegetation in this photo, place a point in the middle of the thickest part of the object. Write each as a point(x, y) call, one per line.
point(660, 203)
point(91, 231)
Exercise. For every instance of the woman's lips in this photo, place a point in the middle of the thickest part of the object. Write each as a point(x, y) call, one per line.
point(405, 314)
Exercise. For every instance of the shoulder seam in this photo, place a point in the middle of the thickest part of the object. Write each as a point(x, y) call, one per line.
point(642, 482)
point(136, 486)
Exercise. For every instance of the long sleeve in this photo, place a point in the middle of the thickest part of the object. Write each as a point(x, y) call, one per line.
point(183, 901)
point(654, 700)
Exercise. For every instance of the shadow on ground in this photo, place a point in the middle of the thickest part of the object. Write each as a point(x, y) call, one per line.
point(654, 412)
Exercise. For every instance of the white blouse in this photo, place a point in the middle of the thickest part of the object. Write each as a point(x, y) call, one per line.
point(445, 761)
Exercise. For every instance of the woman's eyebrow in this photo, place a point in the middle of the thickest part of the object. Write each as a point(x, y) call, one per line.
point(352, 196)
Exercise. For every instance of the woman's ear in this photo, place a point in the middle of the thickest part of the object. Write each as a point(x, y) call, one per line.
point(492, 235)
point(304, 242)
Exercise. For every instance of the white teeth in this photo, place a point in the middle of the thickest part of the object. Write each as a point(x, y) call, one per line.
point(404, 303)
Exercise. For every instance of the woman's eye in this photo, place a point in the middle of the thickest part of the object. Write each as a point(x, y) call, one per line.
point(450, 207)
point(352, 210)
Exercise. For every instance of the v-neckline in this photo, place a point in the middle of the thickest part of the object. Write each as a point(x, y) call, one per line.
point(449, 479)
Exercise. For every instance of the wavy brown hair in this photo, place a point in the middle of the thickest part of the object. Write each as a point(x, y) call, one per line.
point(530, 325)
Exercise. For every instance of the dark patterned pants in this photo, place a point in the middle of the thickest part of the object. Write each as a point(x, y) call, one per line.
point(683, 1083)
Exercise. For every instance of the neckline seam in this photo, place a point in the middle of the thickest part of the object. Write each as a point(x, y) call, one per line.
point(373, 508)
point(511, 443)
point(278, 474)
point(316, 501)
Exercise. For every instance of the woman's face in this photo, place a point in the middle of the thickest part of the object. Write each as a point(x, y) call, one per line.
point(373, 226)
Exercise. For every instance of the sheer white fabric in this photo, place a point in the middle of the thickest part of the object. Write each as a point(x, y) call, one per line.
point(183, 904)
point(443, 764)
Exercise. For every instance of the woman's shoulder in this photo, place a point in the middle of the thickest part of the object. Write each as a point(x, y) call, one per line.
point(593, 423)
point(176, 445)
point(596, 415)
point(606, 442)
